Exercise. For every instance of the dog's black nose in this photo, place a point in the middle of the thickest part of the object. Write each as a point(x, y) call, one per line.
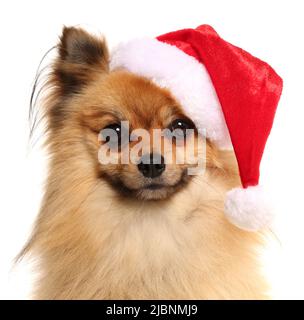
point(152, 165)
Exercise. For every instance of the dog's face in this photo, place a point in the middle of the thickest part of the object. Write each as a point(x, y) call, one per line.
point(89, 100)
point(151, 169)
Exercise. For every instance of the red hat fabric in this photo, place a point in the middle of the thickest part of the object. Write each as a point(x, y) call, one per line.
point(248, 90)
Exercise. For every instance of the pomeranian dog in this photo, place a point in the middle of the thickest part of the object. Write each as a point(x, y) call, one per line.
point(135, 230)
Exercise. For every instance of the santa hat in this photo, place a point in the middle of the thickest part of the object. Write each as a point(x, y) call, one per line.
point(226, 91)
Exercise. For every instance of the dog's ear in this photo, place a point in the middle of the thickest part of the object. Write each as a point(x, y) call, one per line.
point(81, 57)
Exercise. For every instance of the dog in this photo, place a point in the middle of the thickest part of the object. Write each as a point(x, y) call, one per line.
point(135, 230)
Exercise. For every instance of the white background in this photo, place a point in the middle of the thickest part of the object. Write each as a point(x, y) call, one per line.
point(271, 30)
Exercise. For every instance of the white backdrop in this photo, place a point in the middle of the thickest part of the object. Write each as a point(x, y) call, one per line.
point(271, 30)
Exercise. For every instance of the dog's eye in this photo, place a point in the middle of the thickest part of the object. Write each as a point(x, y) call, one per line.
point(180, 127)
point(112, 134)
point(116, 127)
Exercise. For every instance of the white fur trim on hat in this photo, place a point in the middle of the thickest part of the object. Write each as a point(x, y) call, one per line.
point(185, 77)
point(248, 208)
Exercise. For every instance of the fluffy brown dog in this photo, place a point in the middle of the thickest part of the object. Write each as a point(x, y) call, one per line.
point(107, 231)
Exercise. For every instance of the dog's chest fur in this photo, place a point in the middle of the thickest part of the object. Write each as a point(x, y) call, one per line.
point(179, 249)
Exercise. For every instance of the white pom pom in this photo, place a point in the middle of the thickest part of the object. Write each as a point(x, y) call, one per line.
point(248, 208)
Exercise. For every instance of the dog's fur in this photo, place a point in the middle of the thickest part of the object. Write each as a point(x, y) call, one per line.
point(96, 236)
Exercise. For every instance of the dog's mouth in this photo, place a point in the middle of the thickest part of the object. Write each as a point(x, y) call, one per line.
point(158, 191)
point(154, 186)
point(150, 190)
